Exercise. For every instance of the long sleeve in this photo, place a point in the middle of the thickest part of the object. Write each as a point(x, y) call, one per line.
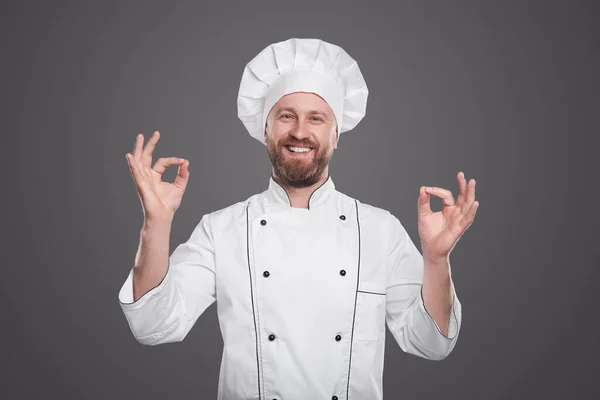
point(407, 318)
point(167, 312)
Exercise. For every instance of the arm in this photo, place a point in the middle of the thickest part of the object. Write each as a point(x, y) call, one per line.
point(410, 323)
point(166, 312)
point(152, 258)
point(438, 291)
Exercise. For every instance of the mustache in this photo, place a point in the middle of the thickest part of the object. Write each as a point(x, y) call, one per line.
point(300, 144)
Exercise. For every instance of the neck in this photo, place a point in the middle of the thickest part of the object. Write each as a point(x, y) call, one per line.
point(300, 196)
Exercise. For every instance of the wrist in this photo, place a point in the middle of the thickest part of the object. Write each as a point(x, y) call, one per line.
point(154, 224)
point(436, 259)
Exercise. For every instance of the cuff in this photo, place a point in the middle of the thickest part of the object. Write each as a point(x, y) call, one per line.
point(126, 291)
point(453, 326)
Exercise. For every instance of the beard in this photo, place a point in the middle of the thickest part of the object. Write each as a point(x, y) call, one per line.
point(302, 171)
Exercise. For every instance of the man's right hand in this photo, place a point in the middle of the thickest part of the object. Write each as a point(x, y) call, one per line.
point(159, 199)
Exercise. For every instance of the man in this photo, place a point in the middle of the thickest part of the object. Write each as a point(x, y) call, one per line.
point(305, 277)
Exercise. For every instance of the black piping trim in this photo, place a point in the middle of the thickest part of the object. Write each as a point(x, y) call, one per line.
point(288, 196)
point(364, 291)
point(316, 190)
point(285, 191)
point(355, 299)
point(252, 297)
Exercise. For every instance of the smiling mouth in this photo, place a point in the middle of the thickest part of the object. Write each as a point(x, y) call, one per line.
point(298, 150)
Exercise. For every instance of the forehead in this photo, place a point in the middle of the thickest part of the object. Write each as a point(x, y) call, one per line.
point(303, 101)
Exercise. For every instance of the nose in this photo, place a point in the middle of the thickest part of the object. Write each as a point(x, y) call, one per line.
point(300, 130)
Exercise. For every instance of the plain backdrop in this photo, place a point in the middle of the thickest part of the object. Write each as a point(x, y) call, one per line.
point(505, 91)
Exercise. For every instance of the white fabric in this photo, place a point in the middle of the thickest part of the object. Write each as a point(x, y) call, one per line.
point(301, 65)
point(305, 301)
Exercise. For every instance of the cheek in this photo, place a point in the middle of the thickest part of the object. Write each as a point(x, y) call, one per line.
point(328, 138)
point(273, 134)
point(278, 131)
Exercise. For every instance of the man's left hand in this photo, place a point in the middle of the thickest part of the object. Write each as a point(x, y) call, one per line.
point(441, 230)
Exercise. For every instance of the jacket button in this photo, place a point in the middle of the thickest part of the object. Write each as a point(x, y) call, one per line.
point(263, 222)
point(343, 273)
point(334, 398)
point(271, 337)
point(266, 274)
point(338, 338)
point(343, 217)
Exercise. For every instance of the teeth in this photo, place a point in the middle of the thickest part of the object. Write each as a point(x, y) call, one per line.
point(299, 149)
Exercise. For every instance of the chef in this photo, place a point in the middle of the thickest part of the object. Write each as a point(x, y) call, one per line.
point(305, 278)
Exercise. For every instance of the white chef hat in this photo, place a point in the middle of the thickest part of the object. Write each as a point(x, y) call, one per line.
point(301, 65)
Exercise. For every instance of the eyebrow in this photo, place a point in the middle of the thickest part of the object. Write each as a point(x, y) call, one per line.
point(292, 109)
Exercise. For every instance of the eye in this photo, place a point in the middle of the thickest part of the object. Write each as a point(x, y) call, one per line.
point(284, 116)
point(318, 118)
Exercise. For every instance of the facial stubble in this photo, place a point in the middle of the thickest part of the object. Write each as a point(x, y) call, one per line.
point(299, 172)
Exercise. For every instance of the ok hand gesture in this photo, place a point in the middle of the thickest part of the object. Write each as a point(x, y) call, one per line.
point(440, 231)
point(159, 199)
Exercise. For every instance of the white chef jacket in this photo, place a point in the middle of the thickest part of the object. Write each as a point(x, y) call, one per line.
point(303, 296)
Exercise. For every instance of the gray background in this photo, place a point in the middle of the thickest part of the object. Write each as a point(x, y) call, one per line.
point(505, 91)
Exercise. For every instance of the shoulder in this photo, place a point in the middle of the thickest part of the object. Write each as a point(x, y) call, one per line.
point(368, 212)
point(378, 221)
point(230, 213)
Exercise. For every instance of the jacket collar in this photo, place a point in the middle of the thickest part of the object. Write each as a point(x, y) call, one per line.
point(318, 197)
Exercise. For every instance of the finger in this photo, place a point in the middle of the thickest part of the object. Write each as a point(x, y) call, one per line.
point(462, 189)
point(470, 215)
point(137, 148)
point(135, 170)
point(181, 180)
point(149, 149)
point(471, 192)
point(424, 207)
point(444, 194)
point(163, 163)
